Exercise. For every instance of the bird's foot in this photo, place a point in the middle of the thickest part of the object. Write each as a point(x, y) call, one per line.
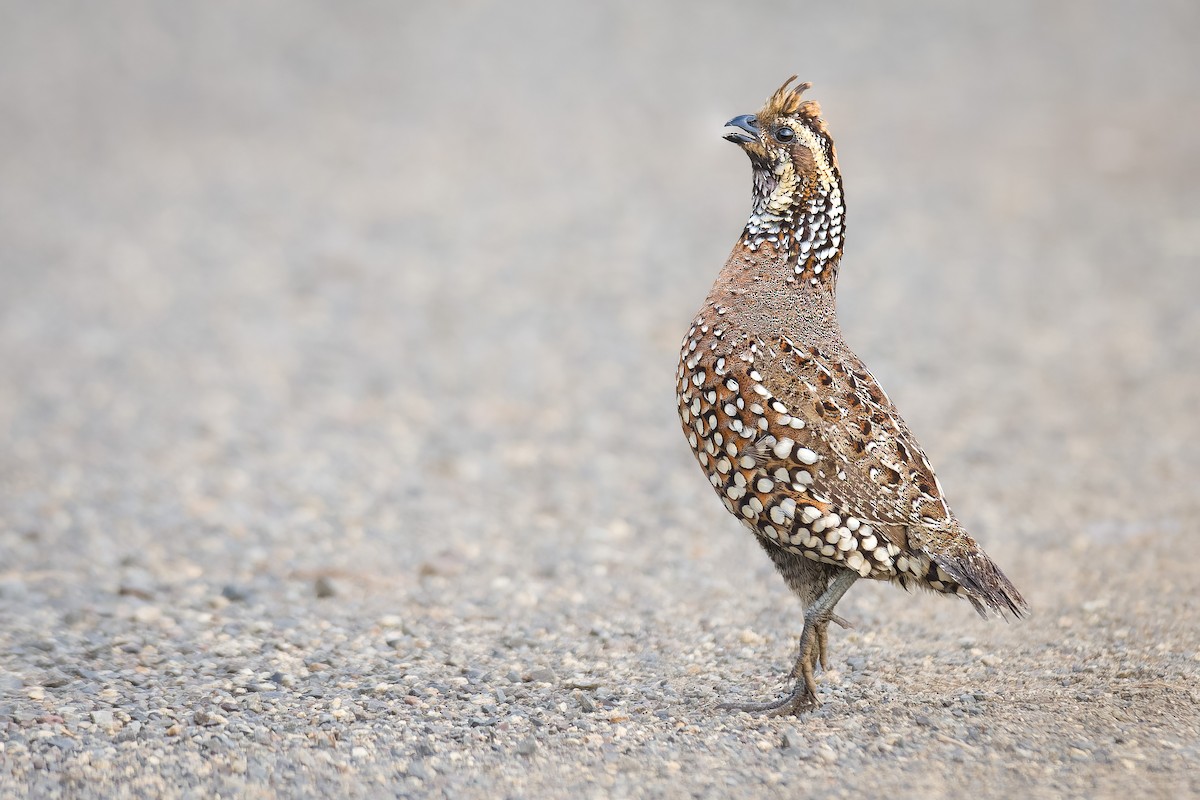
point(813, 641)
point(800, 700)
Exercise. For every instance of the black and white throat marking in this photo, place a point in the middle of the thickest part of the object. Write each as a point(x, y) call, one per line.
point(800, 215)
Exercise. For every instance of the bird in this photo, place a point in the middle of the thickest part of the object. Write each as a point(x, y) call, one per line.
point(796, 436)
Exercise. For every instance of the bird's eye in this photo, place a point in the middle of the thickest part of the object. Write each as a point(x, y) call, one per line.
point(784, 134)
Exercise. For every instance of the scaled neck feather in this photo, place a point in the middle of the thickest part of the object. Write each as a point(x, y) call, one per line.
point(801, 217)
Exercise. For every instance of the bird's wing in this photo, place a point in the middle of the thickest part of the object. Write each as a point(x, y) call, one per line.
point(868, 462)
point(827, 414)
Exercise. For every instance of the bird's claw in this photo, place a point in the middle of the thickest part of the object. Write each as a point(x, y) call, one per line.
point(799, 701)
point(803, 698)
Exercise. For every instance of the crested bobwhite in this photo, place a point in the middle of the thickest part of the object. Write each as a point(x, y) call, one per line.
point(799, 441)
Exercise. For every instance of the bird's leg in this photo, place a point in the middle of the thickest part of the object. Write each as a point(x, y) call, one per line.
point(813, 639)
point(819, 653)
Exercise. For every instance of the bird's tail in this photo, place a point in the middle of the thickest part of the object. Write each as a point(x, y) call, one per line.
point(985, 585)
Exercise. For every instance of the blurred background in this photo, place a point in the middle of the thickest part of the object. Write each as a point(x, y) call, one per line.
point(390, 294)
point(326, 285)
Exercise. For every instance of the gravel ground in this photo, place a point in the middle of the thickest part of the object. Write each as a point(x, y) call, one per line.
point(339, 454)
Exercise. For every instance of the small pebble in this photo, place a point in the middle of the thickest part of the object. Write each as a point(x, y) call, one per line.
point(103, 719)
point(542, 675)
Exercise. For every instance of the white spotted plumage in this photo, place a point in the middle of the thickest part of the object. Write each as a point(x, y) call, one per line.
point(793, 431)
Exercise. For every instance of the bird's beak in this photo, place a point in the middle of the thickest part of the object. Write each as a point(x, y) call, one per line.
point(746, 129)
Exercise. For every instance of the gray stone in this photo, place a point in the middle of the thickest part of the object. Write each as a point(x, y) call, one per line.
point(542, 675)
point(103, 718)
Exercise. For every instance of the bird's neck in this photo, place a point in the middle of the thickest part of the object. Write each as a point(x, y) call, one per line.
point(797, 223)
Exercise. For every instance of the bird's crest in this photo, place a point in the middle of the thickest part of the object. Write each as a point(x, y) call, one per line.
point(788, 102)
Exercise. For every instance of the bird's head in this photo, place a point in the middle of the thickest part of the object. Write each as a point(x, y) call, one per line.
point(797, 185)
point(787, 135)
